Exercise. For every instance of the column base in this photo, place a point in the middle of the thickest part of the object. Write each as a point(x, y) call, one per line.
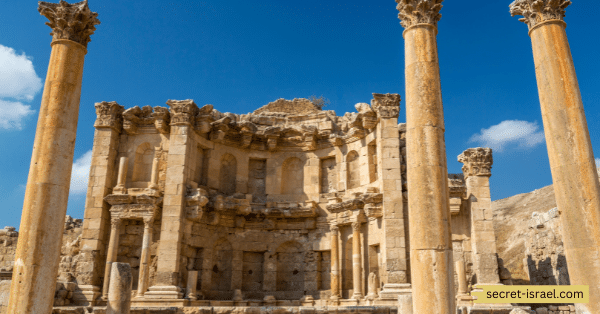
point(86, 295)
point(391, 291)
point(163, 292)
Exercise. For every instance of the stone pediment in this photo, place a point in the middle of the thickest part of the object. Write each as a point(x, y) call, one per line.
point(298, 106)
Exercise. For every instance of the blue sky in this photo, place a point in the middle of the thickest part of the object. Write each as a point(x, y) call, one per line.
point(240, 55)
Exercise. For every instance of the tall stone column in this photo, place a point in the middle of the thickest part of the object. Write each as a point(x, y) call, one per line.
point(145, 258)
point(429, 213)
point(567, 137)
point(356, 264)
point(335, 263)
point(183, 115)
point(477, 171)
point(45, 205)
point(111, 255)
point(394, 254)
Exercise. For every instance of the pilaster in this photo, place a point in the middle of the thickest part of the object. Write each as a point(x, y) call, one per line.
point(387, 107)
point(166, 285)
point(477, 171)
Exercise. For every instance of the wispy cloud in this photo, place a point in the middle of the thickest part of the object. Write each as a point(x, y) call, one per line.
point(81, 173)
point(498, 137)
point(18, 83)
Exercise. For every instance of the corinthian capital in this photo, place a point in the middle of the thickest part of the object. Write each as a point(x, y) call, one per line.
point(538, 11)
point(413, 12)
point(109, 115)
point(183, 112)
point(477, 162)
point(70, 21)
point(386, 105)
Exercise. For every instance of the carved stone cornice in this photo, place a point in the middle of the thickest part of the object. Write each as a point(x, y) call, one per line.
point(109, 115)
point(386, 105)
point(70, 21)
point(335, 230)
point(162, 118)
point(477, 162)
point(136, 116)
point(457, 185)
point(413, 12)
point(535, 12)
point(183, 112)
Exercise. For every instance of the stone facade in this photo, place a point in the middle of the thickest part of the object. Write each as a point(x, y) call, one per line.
point(268, 208)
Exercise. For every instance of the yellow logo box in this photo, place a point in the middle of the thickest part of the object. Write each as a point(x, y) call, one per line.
point(532, 294)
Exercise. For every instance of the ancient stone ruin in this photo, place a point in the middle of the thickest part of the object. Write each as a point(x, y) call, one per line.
point(291, 208)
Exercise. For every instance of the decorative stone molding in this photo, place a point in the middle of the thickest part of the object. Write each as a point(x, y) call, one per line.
point(196, 200)
point(535, 12)
point(70, 21)
point(162, 118)
point(477, 162)
point(386, 105)
point(413, 12)
point(136, 116)
point(183, 112)
point(109, 115)
point(458, 192)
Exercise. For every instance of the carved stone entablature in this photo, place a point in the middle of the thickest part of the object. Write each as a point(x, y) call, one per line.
point(109, 115)
point(136, 116)
point(371, 202)
point(290, 210)
point(386, 105)
point(196, 200)
point(162, 119)
point(124, 206)
point(535, 12)
point(350, 216)
point(367, 116)
point(238, 204)
point(456, 183)
point(74, 22)
point(413, 12)
point(477, 162)
point(183, 112)
point(247, 130)
point(458, 192)
point(204, 119)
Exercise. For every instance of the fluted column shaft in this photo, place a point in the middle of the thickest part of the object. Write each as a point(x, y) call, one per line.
point(429, 213)
point(145, 258)
point(111, 255)
point(46, 195)
point(571, 156)
point(356, 264)
point(335, 264)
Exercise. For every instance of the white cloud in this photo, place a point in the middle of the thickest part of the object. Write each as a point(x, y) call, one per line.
point(12, 114)
point(18, 83)
point(18, 79)
point(525, 134)
point(81, 173)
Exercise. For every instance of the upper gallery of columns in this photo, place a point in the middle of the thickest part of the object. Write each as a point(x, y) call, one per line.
point(288, 125)
point(413, 12)
point(535, 12)
point(477, 162)
point(75, 22)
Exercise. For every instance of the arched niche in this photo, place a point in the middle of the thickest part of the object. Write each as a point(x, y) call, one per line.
point(292, 176)
point(353, 172)
point(290, 268)
point(228, 174)
point(222, 266)
point(142, 164)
